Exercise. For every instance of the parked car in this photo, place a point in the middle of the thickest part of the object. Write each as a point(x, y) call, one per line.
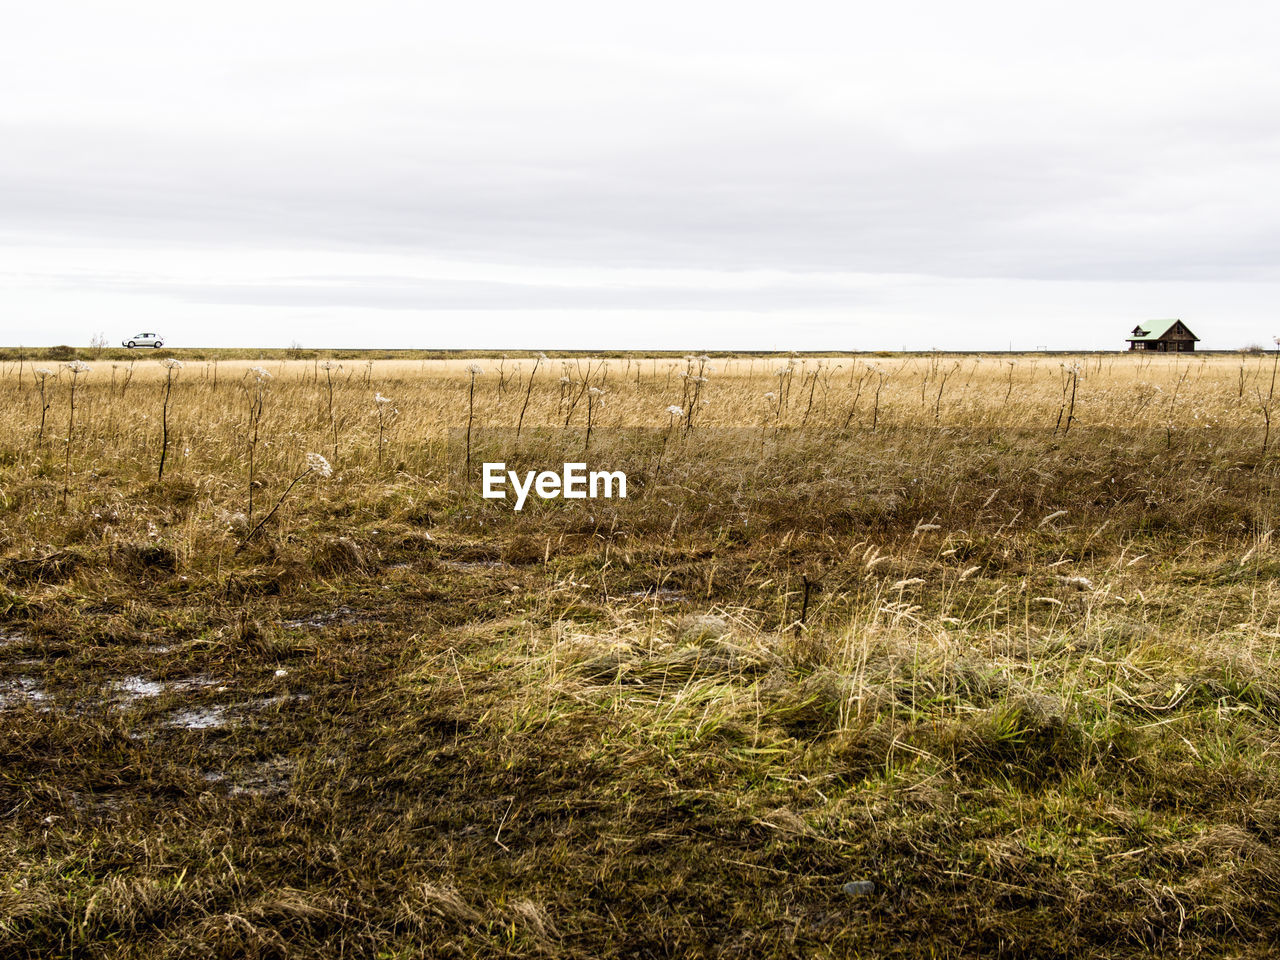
point(144, 340)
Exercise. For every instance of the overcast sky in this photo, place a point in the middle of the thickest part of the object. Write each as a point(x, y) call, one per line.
point(720, 175)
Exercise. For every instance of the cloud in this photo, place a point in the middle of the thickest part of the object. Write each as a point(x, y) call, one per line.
point(1091, 144)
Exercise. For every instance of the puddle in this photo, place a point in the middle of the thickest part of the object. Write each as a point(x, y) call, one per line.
point(318, 621)
point(136, 688)
point(200, 718)
point(132, 689)
point(22, 691)
point(129, 691)
point(219, 716)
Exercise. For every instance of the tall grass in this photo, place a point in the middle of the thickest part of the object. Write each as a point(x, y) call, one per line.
point(1199, 397)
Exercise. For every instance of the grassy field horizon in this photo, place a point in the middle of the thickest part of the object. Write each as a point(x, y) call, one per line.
point(63, 352)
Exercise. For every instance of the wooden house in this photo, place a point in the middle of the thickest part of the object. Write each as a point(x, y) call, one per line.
point(1167, 336)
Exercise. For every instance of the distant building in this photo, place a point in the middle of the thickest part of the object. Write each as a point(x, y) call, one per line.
point(1167, 336)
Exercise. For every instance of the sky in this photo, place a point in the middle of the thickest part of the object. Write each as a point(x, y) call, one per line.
point(692, 175)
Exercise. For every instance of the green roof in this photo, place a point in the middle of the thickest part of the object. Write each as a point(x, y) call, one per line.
point(1155, 329)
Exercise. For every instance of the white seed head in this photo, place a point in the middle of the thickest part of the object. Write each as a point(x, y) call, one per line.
point(318, 464)
point(171, 363)
point(475, 369)
point(261, 374)
point(379, 398)
point(675, 411)
point(1053, 516)
point(77, 366)
point(43, 372)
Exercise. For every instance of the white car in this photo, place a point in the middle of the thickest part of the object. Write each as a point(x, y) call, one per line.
point(144, 340)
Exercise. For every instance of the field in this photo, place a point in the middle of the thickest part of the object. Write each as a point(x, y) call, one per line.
point(910, 656)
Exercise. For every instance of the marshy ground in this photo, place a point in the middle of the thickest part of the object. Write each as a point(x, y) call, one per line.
point(995, 642)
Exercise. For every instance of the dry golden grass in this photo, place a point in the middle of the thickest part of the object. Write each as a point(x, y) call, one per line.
point(921, 621)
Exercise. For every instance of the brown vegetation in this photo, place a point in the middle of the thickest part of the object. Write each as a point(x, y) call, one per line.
point(999, 638)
